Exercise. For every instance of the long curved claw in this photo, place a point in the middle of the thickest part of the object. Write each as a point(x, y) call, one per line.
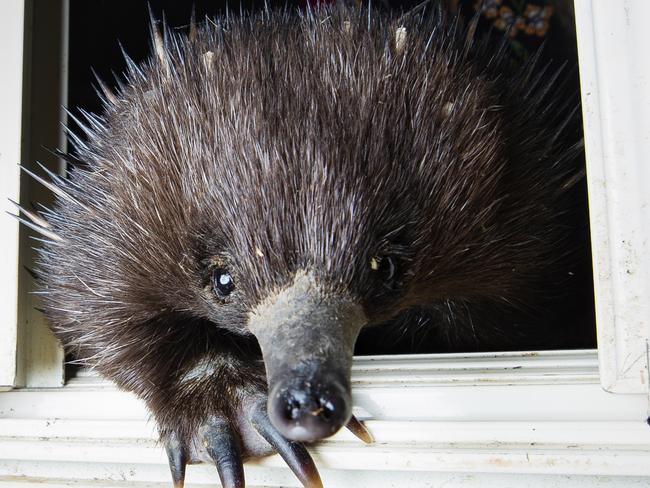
point(177, 460)
point(293, 453)
point(360, 430)
point(224, 448)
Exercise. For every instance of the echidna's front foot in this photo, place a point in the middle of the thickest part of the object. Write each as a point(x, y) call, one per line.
point(228, 441)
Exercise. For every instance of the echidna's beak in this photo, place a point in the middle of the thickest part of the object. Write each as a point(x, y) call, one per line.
point(307, 340)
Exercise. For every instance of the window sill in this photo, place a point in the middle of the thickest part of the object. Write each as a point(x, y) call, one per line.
point(470, 420)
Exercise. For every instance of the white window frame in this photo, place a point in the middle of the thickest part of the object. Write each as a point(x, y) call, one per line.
point(34, 89)
point(615, 79)
point(11, 89)
point(554, 418)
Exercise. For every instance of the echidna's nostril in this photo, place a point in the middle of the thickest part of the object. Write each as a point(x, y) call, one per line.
point(327, 409)
point(293, 409)
point(305, 411)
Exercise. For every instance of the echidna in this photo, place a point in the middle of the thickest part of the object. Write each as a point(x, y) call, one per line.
point(287, 179)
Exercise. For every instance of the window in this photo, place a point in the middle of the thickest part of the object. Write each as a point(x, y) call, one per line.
point(483, 420)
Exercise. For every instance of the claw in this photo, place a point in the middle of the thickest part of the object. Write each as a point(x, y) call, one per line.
point(360, 430)
point(177, 460)
point(225, 450)
point(293, 453)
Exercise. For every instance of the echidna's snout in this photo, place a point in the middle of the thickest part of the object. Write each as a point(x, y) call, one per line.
point(307, 338)
point(311, 406)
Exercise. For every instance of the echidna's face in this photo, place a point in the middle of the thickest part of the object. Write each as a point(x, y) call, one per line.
point(297, 255)
point(290, 252)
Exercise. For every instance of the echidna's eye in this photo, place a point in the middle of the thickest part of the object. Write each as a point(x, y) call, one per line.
point(385, 266)
point(222, 283)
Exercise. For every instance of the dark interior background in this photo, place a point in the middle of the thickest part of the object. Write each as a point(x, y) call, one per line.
point(99, 27)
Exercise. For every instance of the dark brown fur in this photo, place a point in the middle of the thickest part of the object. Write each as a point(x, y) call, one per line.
point(308, 143)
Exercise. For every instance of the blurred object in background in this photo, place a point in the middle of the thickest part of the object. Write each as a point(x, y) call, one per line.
point(527, 24)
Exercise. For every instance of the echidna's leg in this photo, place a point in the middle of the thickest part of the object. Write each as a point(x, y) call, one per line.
point(244, 432)
point(213, 409)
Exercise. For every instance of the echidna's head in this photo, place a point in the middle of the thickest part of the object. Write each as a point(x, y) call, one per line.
point(295, 180)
